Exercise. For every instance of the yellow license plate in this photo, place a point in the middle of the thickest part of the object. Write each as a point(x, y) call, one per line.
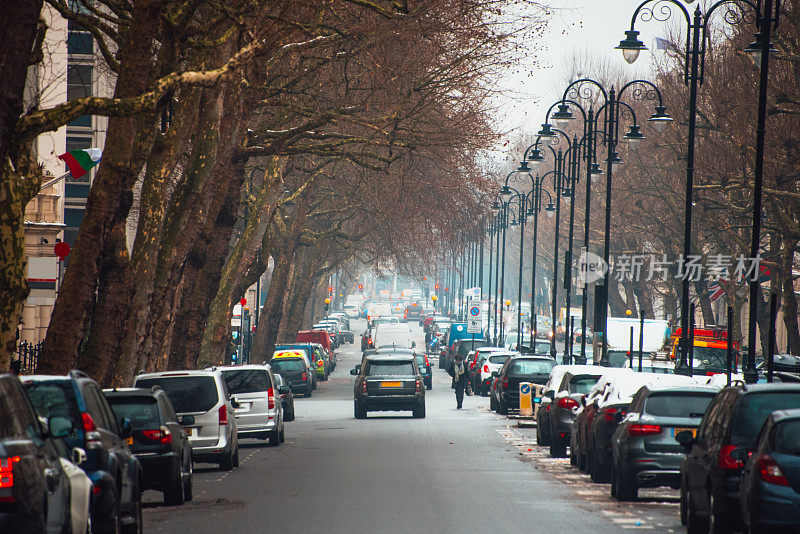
point(391, 384)
point(676, 431)
point(188, 431)
point(129, 441)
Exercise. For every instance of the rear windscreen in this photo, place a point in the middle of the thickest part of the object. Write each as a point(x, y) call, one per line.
point(542, 348)
point(288, 364)
point(54, 400)
point(142, 411)
point(786, 438)
point(617, 358)
point(500, 358)
point(582, 383)
point(246, 380)
point(677, 404)
point(465, 347)
point(531, 367)
point(187, 393)
point(754, 410)
point(404, 368)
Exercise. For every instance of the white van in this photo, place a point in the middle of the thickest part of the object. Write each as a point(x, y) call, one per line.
point(392, 335)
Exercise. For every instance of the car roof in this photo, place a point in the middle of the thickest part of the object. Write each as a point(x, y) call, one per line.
point(131, 392)
point(783, 415)
point(761, 388)
point(43, 378)
point(693, 387)
point(624, 386)
point(386, 357)
point(257, 366)
point(182, 373)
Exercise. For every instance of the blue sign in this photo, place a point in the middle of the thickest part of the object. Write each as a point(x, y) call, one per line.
point(475, 311)
point(525, 389)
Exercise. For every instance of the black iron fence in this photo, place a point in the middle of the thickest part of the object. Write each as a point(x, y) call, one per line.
point(24, 359)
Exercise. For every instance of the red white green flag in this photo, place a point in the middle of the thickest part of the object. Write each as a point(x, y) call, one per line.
point(80, 161)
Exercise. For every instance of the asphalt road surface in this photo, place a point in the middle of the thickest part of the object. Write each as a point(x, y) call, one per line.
point(459, 471)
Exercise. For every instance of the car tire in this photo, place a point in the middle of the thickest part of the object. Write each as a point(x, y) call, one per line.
point(174, 494)
point(113, 525)
point(694, 523)
point(718, 520)
point(683, 505)
point(289, 416)
point(573, 458)
point(359, 411)
point(581, 462)
point(308, 393)
point(283, 435)
point(626, 489)
point(187, 487)
point(492, 403)
point(419, 411)
point(136, 526)
point(236, 456)
point(274, 438)
point(502, 407)
point(558, 447)
point(226, 461)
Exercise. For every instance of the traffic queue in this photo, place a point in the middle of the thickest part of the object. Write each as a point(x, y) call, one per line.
point(77, 458)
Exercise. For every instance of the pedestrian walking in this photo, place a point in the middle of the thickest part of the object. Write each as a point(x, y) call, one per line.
point(458, 370)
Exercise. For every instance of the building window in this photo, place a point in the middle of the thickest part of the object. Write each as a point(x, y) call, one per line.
point(79, 41)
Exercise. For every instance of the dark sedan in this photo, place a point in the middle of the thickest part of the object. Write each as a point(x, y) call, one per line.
point(504, 395)
point(287, 397)
point(388, 383)
point(566, 402)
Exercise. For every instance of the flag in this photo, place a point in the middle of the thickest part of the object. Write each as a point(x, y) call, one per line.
point(715, 290)
point(80, 161)
point(664, 44)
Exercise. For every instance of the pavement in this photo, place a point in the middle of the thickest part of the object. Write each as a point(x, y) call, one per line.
point(459, 471)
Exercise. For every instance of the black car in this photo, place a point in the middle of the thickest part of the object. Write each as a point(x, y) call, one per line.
point(424, 365)
point(504, 394)
point(34, 490)
point(115, 472)
point(158, 440)
point(770, 488)
point(574, 385)
point(287, 397)
point(294, 373)
point(389, 382)
point(712, 469)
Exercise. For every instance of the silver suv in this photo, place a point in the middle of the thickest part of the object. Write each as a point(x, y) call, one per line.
point(259, 414)
point(203, 396)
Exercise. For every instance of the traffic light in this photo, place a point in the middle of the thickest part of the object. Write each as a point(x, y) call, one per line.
point(330, 289)
point(436, 286)
point(360, 287)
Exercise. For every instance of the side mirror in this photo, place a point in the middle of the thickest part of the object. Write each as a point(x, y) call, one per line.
point(354, 372)
point(413, 344)
point(686, 439)
point(78, 456)
point(125, 428)
point(741, 455)
point(618, 415)
point(59, 427)
point(283, 390)
point(495, 374)
point(187, 420)
point(234, 403)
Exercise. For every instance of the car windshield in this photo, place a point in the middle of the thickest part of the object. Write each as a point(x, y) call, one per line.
point(710, 358)
point(542, 348)
point(531, 367)
point(390, 368)
point(287, 364)
point(499, 358)
point(54, 400)
point(142, 411)
point(678, 404)
point(786, 438)
point(187, 393)
point(617, 358)
point(582, 383)
point(246, 380)
point(754, 410)
point(465, 347)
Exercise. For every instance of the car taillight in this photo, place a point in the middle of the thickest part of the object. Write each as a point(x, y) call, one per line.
point(505, 381)
point(320, 363)
point(162, 435)
point(610, 413)
point(271, 398)
point(364, 387)
point(7, 475)
point(726, 461)
point(567, 403)
point(88, 422)
point(304, 376)
point(472, 365)
point(419, 385)
point(644, 430)
point(427, 362)
point(223, 415)
point(485, 368)
point(768, 469)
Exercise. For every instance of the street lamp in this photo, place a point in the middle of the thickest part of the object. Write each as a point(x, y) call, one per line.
point(697, 36)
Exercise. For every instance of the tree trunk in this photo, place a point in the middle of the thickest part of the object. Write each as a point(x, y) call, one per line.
point(701, 289)
point(644, 296)
point(616, 303)
point(790, 300)
point(298, 291)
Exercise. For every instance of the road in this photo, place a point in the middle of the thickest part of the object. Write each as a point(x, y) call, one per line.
point(457, 471)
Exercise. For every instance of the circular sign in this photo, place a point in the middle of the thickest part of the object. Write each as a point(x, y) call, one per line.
point(243, 302)
point(61, 250)
point(475, 311)
point(525, 389)
point(459, 328)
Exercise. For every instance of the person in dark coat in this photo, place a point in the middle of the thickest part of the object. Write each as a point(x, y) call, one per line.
point(458, 370)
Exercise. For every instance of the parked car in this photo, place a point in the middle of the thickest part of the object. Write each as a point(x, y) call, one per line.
point(80, 488)
point(645, 453)
point(463, 347)
point(115, 472)
point(580, 438)
point(34, 489)
point(294, 370)
point(504, 395)
point(474, 370)
point(568, 395)
point(712, 468)
point(204, 396)
point(307, 355)
point(487, 364)
point(547, 396)
point(259, 414)
point(320, 363)
point(388, 383)
point(424, 365)
point(332, 329)
point(769, 492)
point(287, 397)
point(392, 335)
point(158, 440)
point(315, 336)
point(611, 408)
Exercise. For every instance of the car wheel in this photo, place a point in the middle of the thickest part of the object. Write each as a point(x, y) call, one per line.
point(174, 494)
point(683, 507)
point(626, 487)
point(359, 411)
point(573, 458)
point(492, 403)
point(581, 462)
point(187, 487)
point(136, 526)
point(283, 434)
point(718, 521)
point(558, 447)
point(308, 392)
point(539, 440)
point(236, 456)
point(419, 411)
point(226, 461)
point(274, 438)
point(694, 523)
point(290, 417)
point(111, 524)
point(502, 407)
point(614, 483)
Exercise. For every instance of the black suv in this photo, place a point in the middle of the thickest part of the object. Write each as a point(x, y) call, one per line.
point(504, 392)
point(388, 382)
point(115, 472)
point(159, 440)
point(712, 469)
point(34, 491)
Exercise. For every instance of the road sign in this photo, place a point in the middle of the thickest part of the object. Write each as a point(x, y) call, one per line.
point(474, 317)
point(525, 404)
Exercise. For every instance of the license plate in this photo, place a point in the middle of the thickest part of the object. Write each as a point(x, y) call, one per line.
point(391, 384)
point(188, 431)
point(129, 441)
point(676, 431)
